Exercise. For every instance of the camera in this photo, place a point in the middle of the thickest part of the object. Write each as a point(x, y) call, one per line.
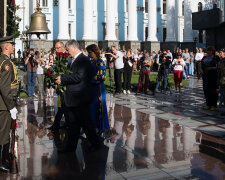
point(178, 62)
point(108, 50)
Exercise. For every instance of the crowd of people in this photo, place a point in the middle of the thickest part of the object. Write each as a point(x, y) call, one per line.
point(182, 63)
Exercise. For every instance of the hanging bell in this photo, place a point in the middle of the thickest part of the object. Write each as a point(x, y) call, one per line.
point(38, 23)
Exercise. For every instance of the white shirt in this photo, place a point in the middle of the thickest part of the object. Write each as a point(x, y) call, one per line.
point(40, 69)
point(170, 54)
point(135, 57)
point(199, 56)
point(119, 61)
point(178, 67)
point(75, 57)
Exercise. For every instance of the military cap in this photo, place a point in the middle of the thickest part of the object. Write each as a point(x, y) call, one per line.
point(7, 39)
point(223, 49)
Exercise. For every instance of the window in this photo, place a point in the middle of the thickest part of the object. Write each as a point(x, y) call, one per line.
point(183, 8)
point(69, 29)
point(164, 6)
point(69, 4)
point(199, 6)
point(146, 33)
point(146, 6)
point(44, 3)
point(200, 36)
point(164, 34)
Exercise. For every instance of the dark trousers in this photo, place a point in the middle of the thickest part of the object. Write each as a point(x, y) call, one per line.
point(5, 125)
point(79, 117)
point(117, 78)
point(61, 111)
point(198, 66)
point(127, 74)
point(209, 87)
point(162, 73)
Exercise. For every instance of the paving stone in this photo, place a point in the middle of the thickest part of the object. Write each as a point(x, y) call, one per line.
point(150, 111)
point(210, 120)
point(134, 106)
point(168, 116)
point(189, 123)
point(212, 130)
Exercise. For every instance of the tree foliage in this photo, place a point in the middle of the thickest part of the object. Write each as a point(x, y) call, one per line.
point(12, 19)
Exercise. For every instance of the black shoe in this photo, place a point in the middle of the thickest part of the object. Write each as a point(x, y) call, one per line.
point(5, 167)
point(4, 158)
point(53, 128)
point(94, 148)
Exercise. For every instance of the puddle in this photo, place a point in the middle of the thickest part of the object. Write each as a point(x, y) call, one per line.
point(141, 146)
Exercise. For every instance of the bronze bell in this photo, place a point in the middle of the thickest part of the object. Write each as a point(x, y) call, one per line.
point(38, 23)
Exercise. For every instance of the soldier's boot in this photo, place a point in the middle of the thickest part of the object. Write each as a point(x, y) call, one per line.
point(4, 158)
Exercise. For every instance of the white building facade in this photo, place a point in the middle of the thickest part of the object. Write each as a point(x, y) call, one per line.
point(114, 20)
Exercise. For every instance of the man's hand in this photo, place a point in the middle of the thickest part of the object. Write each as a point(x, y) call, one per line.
point(58, 80)
point(13, 113)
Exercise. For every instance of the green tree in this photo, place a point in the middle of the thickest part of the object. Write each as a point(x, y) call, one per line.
point(12, 19)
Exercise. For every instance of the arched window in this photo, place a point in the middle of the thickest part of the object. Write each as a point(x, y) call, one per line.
point(44, 3)
point(164, 6)
point(183, 8)
point(146, 6)
point(199, 6)
point(69, 4)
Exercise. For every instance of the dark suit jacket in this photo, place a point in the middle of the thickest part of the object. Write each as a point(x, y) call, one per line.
point(78, 84)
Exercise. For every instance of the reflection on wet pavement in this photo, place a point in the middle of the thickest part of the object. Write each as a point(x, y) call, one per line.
point(142, 145)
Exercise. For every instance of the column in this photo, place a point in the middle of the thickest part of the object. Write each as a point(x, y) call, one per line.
point(63, 20)
point(170, 11)
point(188, 140)
point(188, 34)
point(131, 141)
point(178, 15)
point(151, 138)
point(169, 142)
point(110, 21)
point(87, 20)
point(152, 21)
point(132, 20)
point(26, 13)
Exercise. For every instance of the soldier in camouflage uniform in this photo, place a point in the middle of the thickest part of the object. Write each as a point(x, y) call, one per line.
point(8, 85)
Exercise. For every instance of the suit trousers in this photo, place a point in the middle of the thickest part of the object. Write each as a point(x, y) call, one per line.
point(117, 77)
point(79, 117)
point(127, 74)
point(209, 88)
point(5, 125)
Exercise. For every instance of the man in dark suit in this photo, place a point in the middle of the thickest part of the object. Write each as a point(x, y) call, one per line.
point(78, 96)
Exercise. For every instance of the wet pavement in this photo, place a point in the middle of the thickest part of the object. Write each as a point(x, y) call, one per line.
point(166, 136)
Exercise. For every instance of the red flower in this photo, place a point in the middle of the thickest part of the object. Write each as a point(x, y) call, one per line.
point(48, 72)
point(66, 54)
point(57, 54)
point(60, 54)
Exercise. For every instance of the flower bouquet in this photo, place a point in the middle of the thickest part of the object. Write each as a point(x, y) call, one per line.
point(59, 68)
